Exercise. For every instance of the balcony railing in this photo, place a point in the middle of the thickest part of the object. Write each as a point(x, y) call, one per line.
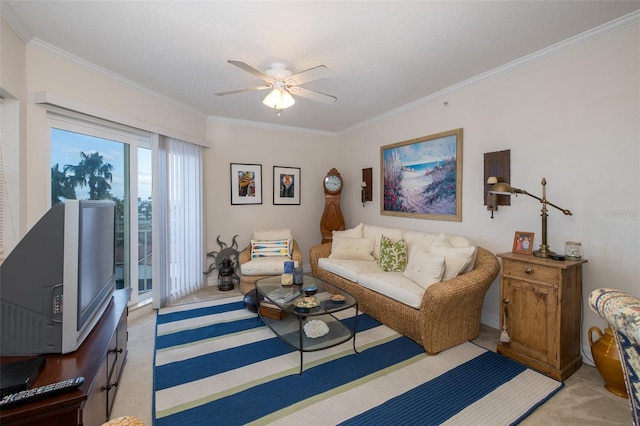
point(145, 259)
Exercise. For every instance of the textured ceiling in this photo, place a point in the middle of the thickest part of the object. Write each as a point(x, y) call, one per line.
point(384, 55)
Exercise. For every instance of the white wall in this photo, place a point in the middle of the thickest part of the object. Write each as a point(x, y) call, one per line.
point(233, 142)
point(572, 118)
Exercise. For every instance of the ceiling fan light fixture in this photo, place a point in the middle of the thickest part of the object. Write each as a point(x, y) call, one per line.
point(279, 99)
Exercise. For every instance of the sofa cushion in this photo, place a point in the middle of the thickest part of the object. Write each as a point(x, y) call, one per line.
point(375, 233)
point(395, 286)
point(355, 232)
point(271, 248)
point(264, 266)
point(424, 268)
point(458, 241)
point(457, 260)
point(351, 248)
point(348, 269)
point(420, 240)
point(393, 256)
point(272, 234)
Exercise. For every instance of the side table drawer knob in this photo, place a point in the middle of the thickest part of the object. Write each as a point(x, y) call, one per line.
point(528, 271)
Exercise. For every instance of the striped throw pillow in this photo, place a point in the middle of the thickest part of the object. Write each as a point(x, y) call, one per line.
point(270, 248)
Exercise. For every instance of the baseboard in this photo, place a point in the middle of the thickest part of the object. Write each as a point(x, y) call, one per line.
point(136, 312)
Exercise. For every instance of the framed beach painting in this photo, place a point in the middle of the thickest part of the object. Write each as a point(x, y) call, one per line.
point(422, 178)
point(286, 185)
point(246, 183)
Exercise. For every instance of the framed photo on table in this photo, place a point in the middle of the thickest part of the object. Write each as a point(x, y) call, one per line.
point(286, 185)
point(523, 242)
point(246, 183)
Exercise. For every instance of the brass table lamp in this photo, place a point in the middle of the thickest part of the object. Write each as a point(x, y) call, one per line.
point(504, 188)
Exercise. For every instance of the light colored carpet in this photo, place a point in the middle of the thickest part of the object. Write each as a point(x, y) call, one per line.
point(583, 400)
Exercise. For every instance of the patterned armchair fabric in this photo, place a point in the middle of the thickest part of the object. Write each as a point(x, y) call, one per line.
point(622, 311)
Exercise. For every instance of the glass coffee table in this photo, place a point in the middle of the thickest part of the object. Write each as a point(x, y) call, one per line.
point(308, 322)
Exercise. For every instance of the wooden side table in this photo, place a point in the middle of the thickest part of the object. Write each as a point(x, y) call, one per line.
point(541, 301)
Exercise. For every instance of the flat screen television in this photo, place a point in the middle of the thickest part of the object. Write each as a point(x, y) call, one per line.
point(58, 280)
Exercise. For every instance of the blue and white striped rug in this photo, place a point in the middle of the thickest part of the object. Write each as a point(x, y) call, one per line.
point(215, 364)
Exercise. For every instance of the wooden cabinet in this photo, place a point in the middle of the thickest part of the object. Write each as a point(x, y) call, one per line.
point(541, 301)
point(99, 360)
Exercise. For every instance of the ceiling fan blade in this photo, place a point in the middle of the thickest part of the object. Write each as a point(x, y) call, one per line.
point(246, 89)
point(315, 73)
point(251, 70)
point(313, 95)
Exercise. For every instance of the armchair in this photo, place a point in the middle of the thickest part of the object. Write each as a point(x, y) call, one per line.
point(255, 265)
point(622, 312)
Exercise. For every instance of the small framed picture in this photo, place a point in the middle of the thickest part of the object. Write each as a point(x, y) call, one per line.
point(523, 242)
point(286, 185)
point(246, 183)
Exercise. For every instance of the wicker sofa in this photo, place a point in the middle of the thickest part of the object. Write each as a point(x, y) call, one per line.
point(448, 314)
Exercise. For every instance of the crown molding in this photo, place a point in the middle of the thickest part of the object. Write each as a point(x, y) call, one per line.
point(42, 45)
point(592, 34)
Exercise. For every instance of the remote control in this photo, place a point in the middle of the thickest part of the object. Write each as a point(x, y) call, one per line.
point(41, 392)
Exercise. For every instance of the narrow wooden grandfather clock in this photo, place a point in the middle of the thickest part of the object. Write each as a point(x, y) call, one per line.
point(332, 219)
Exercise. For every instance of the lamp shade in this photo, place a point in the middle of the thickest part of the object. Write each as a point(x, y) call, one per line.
point(279, 99)
point(501, 188)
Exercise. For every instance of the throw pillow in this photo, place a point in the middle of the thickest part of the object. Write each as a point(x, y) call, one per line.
point(270, 248)
point(457, 259)
point(375, 233)
point(393, 256)
point(351, 248)
point(355, 232)
point(423, 268)
point(440, 241)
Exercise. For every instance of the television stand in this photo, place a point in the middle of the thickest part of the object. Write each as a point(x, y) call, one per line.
point(99, 360)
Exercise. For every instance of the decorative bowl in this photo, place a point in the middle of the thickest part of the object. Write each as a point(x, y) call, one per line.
point(310, 290)
point(338, 298)
point(305, 304)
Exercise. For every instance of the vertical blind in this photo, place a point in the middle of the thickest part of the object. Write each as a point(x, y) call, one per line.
point(178, 175)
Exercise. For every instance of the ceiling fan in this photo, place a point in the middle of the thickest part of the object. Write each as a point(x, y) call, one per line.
point(283, 83)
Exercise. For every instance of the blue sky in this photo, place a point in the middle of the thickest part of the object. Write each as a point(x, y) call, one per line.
point(66, 148)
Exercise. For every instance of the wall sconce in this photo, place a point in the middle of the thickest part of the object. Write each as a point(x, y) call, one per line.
point(497, 168)
point(365, 186)
point(506, 189)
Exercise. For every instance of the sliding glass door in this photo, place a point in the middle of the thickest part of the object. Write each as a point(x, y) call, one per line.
point(91, 160)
